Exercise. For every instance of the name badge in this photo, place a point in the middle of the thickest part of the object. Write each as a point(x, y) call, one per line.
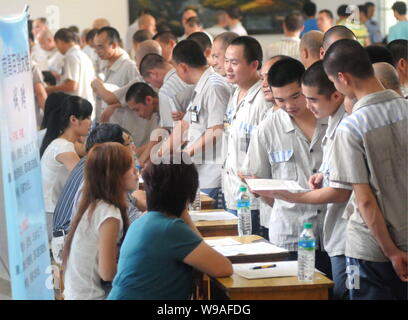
point(194, 117)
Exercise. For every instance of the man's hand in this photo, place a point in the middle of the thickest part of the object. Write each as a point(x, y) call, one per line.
point(399, 261)
point(107, 113)
point(315, 181)
point(177, 116)
point(96, 85)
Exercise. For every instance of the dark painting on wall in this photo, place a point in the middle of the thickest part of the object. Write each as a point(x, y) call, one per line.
point(258, 16)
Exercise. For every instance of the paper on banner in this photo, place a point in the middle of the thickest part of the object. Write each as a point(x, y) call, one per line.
point(272, 184)
point(212, 216)
point(249, 249)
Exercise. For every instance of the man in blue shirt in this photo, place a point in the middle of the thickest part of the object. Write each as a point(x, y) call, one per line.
point(309, 9)
point(399, 30)
point(372, 26)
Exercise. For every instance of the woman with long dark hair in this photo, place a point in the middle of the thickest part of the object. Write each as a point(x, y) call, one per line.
point(67, 123)
point(91, 249)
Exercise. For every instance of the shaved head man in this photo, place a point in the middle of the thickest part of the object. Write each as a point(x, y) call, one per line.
point(388, 76)
point(147, 22)
point(310, 47)
point(334, 34)
point(148, 46)
point(100, 23)
point(264, 76)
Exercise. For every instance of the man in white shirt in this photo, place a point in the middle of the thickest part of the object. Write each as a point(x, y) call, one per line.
point(221, 19)
point(55, 58)
point(38, 54)
point(174, 93)
point(119, 71)
point(187, 14)
point(310, 47)
point(202, 126)
point(234, 22)
point(167, 41)
point(78, 69)
point(246, 109)
point(289, 44)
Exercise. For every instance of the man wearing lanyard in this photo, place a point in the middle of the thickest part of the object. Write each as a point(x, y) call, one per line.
point(246, 108)
point(202, 126)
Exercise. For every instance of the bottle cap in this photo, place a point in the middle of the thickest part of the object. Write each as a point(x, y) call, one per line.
point(308, 225)
point(242, 189)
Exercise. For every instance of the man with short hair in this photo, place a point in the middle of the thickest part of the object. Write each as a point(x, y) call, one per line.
point(38, 54)
point(139, 37)
point(55, 58)
point(370, 153)
point(203, 122)
point(310, 23)
point(192, 25)
point(100, 23)
point(399, 51)
point(220, 24)
point(174, 94)
point(119, 70)
point(246, 108)
point(388, 76)
point(334, 34)
point(204, 41)
point(147, 22)
point(289, 44)
point(188, 13)
point(310, 45)
point(142, 99)
point(220, 45)
point(325, 20)
point(287, 146)
point(78, 69)
point(372, 26)
point(167, 41)
point(400, 29)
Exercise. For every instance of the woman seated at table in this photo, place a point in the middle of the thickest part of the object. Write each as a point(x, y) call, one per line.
point(161, 248)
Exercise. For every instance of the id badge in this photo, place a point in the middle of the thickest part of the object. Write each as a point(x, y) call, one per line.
point(194, 117)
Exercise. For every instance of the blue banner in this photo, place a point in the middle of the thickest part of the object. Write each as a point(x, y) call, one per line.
point(28, 249)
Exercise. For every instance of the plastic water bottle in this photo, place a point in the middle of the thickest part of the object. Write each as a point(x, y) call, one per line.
point(244, 212)
point(306, 253)
point(196, 205)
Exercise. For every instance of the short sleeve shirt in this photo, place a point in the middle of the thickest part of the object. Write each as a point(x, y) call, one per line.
point(54, 173)
point(370, 147)
point(279, 150)
point(151, 258)
point(82, 280)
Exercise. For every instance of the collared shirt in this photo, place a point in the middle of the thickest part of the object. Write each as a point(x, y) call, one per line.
point(174, 95)
point(55, 61)
point(119, 74)
point(206, 110)
point(370, 147)
point(398, 31)
point(288, 46)
point(279, 150)
point(374, 31)
point(65, 204)
point(334, 228)
point(242, 122)
point(78, 67)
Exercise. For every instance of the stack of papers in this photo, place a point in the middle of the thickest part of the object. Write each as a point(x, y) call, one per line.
point(282, 269)
point(222, 242)
point(249, 249)
point(270, 185)
point(212, 216)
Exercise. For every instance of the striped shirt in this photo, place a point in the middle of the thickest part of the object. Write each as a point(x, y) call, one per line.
point(63, 209)
point(288, 46)
point(370, 147)
point(174, 95)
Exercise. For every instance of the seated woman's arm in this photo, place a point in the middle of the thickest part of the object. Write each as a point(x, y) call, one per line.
point(68, 159)
point(108, 248)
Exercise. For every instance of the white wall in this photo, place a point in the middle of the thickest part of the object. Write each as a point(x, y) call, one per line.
point(74, 12)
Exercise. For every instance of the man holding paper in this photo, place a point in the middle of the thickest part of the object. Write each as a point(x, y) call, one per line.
point(288, 147)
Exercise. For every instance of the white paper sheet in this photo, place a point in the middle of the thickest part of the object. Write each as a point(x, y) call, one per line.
point(271, 184)
point(249, 249)
point(212, 216)
point(222, 242)
point(282, 269)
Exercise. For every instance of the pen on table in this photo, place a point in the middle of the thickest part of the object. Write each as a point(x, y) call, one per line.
point(264, 267)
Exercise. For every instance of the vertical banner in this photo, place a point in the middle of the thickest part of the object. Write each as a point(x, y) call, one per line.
point(28, 250)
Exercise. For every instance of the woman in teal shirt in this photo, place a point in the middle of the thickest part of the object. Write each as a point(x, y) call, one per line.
point(161, 248)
